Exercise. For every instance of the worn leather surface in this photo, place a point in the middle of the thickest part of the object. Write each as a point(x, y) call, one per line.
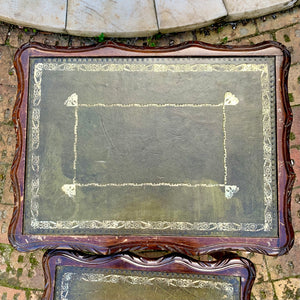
point(81, 283)
point(145, 145)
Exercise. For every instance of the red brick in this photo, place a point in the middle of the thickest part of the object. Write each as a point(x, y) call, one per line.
point(295, 135)
point(282, 19)
point(290, 37)
point(7, 100)
point(295, 208)
point(288, 288)
point(7, 71)
point(5, 217)
point(294, 84)
point(295, 155)
point(3, 33)
point(11, 293)
point(286, 265)
point(18, 37)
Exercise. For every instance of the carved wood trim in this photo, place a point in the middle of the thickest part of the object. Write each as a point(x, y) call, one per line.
point(186, 245)
point(228, 266)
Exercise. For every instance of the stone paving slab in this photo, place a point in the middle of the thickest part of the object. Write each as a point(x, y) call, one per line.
point(113, 18)
point(135, 18)
point(171, 18)
point(41, 14)
point(241, 9)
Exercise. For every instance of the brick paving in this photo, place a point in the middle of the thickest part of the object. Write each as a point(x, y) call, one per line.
point(21, 275)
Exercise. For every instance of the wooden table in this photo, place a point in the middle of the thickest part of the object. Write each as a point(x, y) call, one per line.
point(123, 276)
point(182, 148)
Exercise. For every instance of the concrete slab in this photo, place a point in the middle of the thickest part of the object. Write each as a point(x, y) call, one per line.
point(174, 16)
point(39, 14)
point(241, 9)
point(113, 18)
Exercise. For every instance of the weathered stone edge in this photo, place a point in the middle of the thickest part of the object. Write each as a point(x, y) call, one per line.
point(141, 33)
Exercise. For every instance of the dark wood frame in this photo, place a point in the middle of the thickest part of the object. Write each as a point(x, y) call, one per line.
point(187, 245)
point(227, 266)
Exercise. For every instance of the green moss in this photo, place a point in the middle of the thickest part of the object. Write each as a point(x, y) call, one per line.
point(252, 297)
point(100, 38)
point(298, 79)
point(286, 38)
point(16, 296)
point(260, 279)
point(10, 283)
point(279, 269)
point(262, 294)
point(4, 296)
point(288, 293)
point(8, 268)
point(9, 123)
point(13, 283)
point(27, 294)
point(291, 97)
point(220, 29)
point(292, 136)
point(20, 258)
point(298, 294)
point(224, 40)
point(5, 249)
point(296, 147)
point(33, 261)
point(19, 272)
point(151, 41)
point(157, 36)
point(30, 273)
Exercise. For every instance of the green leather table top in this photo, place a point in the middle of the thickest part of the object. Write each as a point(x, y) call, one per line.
point(167, 146)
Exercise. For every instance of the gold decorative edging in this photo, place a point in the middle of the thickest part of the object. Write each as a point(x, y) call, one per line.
point(65, 65)
point(139, 280)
